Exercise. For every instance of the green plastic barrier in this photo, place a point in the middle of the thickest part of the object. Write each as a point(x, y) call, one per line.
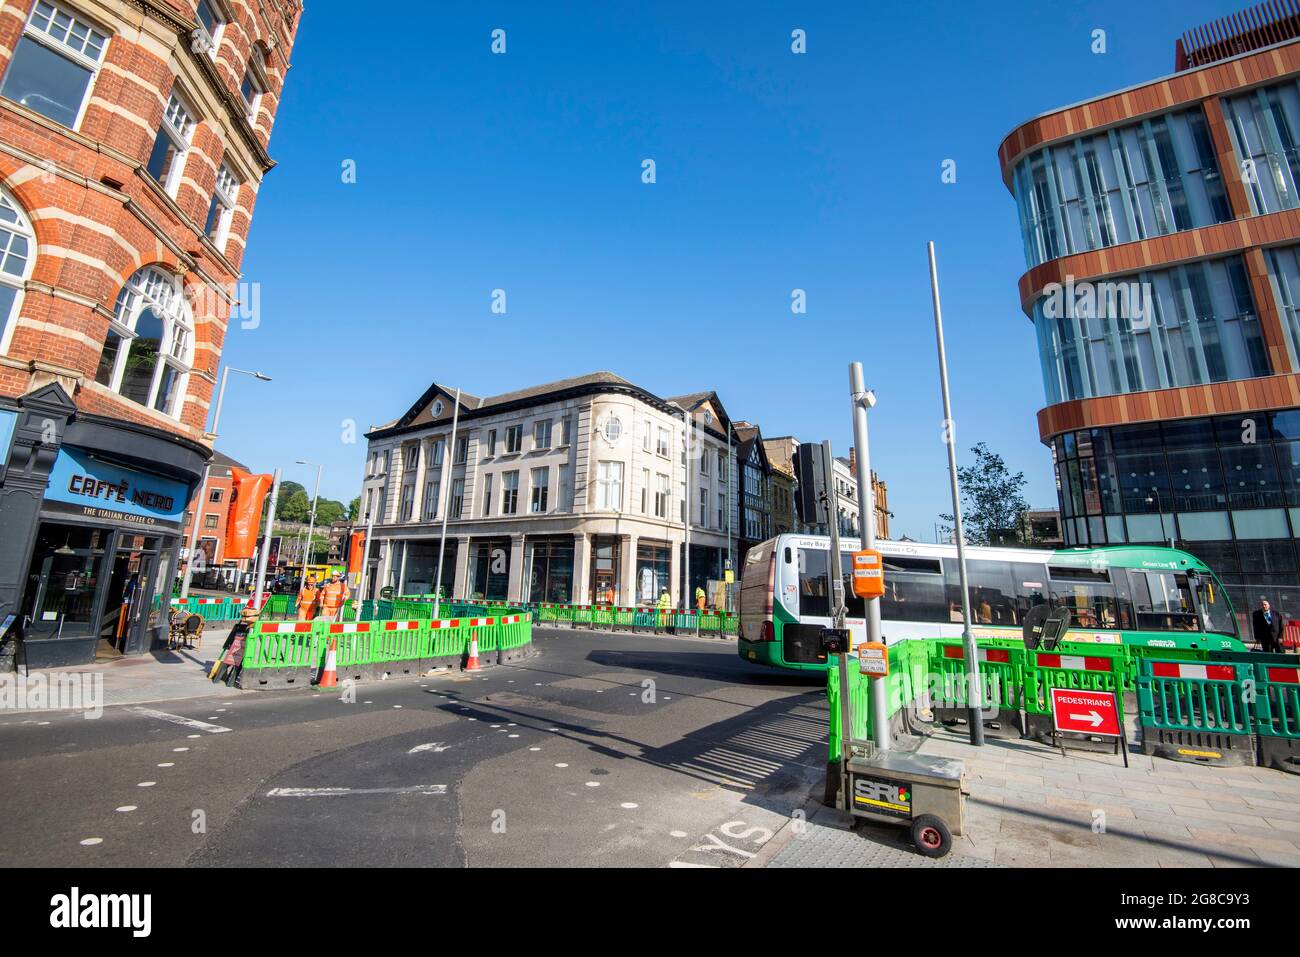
point(1001, 675)
point(907, 667)
point(272, 644)
point(1099, 668)
point(1277, 712)
point(1197, 712)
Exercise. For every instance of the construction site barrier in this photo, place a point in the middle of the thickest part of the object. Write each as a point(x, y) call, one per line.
point(282, 654)
point(1001, 685)
point(209, 609)
point(710, 623)
point(1277, 713)
point(1197, 712)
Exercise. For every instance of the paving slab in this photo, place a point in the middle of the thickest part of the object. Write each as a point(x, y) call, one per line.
point(1087, 809)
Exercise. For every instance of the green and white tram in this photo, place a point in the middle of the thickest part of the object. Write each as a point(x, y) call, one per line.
point(1128, 594)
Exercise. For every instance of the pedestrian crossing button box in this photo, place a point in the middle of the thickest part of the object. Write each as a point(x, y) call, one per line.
point(835, 641)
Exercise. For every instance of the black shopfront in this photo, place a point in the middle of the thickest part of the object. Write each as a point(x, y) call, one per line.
point(91, 516)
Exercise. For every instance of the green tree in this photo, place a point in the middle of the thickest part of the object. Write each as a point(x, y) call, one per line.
point(295, 507)
point(992, 498)
point(354, 509)
point(328, 511)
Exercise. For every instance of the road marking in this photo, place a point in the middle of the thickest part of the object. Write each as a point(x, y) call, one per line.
point(126, 807)
point(181, 720)
point(344, 792)
point(92, 841)
point(436, 746)
point(689, 864)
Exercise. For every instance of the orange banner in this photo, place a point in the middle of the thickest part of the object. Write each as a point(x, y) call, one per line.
point(355, 551)
point(248, 493)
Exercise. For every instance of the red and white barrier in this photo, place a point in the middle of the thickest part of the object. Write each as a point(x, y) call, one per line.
point(999, 655)
point(1179, 669)
point(1073, 662)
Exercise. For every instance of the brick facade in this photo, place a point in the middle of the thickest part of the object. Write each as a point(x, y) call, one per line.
point(99, 216)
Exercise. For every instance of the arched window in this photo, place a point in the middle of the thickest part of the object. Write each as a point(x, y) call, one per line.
point(150, 342)
point(17, 245)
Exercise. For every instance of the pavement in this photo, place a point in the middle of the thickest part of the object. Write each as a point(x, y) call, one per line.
point(159, 675)
point(605, 749)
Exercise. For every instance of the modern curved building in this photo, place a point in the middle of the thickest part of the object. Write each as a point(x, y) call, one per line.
point(1161, 226)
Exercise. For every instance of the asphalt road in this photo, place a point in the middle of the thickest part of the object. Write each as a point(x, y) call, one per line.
point(605, 749)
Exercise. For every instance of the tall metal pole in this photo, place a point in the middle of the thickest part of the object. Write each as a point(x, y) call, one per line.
point(207, 471)
point(974, 693)
point(311, 526)
point(203, 491)
point(861, 400)
point(687, 599)
point(835, 581)
point(731, 558)
point(450, 453)
point(266, 542)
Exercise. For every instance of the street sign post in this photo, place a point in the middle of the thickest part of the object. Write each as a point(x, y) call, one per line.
point(1092, 713)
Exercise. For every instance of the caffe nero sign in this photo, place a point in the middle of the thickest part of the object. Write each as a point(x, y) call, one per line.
point(98, 489)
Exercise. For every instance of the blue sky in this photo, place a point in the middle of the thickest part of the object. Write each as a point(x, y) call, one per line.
point(775, 171)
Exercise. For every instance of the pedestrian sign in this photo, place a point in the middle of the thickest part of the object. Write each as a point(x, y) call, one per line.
point(1086, 712)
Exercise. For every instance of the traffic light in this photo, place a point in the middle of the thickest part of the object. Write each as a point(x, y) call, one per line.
point(810, 471)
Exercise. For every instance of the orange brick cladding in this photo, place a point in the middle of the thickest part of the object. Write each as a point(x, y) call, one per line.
point(98, 215)
point(1245, 235)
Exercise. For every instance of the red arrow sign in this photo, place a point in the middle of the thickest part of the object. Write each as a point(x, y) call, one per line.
point(1086, 712)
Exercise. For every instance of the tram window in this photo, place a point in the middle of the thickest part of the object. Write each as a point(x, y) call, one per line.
point(914, 590)
point(789, 556)
point(1088, 593)
point(1030, 583)
point(1163, 601)
point(992, 599)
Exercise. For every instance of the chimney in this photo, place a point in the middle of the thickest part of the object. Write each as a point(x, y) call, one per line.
point(853, 460)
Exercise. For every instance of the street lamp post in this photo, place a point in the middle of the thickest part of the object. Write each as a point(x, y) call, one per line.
point(311, 525)
point(1160, 508)
point(207, 469)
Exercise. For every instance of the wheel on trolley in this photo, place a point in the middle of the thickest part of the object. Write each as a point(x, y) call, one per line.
point(931, 835)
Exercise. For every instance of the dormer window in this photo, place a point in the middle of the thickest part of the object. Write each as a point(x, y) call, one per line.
point(211, 25)
point(253, 85)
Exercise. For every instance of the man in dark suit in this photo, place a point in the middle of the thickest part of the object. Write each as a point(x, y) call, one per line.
point(1267, 626)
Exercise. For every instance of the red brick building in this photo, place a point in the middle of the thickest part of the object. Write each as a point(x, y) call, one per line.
point(133, 142)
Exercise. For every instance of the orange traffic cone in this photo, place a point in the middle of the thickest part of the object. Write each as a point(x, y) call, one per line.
point(329, 678)
point(472, 664)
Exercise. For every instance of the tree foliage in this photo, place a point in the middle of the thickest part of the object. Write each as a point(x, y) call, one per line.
point(992, 498)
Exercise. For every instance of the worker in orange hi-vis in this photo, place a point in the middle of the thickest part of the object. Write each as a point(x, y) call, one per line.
point(332, 596)
point(308, 599)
